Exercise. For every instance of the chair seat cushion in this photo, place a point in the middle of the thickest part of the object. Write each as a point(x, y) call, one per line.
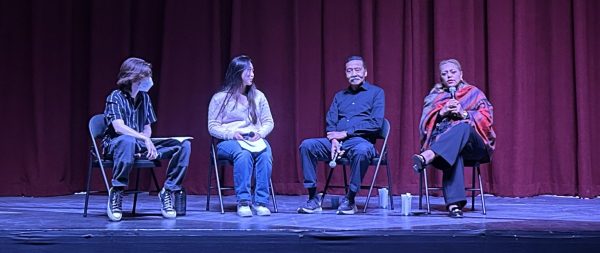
point(224, 162)
point(474, 163)
point(139, 163)
point(346, 161)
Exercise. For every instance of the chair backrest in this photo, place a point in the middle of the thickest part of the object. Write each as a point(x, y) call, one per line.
point(385, 129)
point(213, 149)
point(384, 133)
point(97, 126)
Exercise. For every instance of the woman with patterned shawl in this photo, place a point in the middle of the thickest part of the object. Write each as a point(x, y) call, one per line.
point(455, 126)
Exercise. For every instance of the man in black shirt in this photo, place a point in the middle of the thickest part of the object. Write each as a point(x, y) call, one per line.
point(129, 114)
point(353, 121)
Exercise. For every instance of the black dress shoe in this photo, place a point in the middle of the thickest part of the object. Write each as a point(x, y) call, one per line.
point(455, 213)
point(418, 163)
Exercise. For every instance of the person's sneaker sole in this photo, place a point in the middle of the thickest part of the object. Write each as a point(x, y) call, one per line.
point(169, 215)
point(245, 213)
point(347, 212)
point(455, 214)
point(263, 211)
point(310, 211)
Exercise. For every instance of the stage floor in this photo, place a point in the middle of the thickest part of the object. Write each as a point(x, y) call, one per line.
point(53, 224)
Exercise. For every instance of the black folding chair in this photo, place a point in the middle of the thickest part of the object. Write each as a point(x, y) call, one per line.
point(216, 168)
point(424, 186)
point(381, 159)
point(97, 126)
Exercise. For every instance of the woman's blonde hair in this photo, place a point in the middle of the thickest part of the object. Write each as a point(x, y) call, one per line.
point(452, 61)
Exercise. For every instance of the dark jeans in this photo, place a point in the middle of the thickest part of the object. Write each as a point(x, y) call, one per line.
point(358, 150)
point(123, 149)
point(458, 144)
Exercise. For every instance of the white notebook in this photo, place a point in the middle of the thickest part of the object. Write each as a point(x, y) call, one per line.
point(178, 138)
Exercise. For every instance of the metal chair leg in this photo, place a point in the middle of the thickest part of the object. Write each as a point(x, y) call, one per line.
point(372, 185)
point(420, 191)
point(158, 188)
point(135, 194)
point(426, 191)
point(481, 191)
point(473, 190)
point(87, 189)
point(326, 185)
point(346, 187)
point(218, 179)
point(208, 187)
point(273, 195)
point(370, 190)
point(389, 175)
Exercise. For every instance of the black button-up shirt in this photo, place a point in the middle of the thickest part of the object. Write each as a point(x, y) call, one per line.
point(359, 113)
point(135, 114)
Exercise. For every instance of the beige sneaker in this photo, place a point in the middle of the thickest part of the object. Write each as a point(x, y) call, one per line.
point(243, 210)
point(262, 210)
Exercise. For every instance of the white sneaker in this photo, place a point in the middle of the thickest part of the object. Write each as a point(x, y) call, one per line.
point(262, 210)
point(243, 210)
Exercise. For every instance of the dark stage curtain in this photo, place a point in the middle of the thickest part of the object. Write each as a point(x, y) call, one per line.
point(536, 60)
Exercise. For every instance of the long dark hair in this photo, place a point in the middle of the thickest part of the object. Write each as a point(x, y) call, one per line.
point(233, 85)
point(132, 70)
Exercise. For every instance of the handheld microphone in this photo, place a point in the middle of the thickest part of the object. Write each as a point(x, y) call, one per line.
point(333, 162)
point(452, 91)
point(248, 135)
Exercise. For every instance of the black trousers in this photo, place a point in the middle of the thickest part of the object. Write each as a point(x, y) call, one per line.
point(453, 148)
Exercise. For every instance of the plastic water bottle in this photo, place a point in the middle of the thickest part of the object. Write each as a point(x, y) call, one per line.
point(383, 198)
point(180, 202)
point(406, 203)
point(335, 202)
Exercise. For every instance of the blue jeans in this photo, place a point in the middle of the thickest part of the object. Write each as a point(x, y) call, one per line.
point(123, 148)
point(358, 150)
point(244, 163)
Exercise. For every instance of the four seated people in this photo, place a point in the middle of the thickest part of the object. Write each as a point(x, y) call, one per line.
point(456, 126)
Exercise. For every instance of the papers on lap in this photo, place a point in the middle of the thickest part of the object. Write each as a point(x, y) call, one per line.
point(253, 146)
point(177, 138)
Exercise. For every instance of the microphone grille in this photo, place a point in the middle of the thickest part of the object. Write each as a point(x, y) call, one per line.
point(452, 91)
point(332, 164)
